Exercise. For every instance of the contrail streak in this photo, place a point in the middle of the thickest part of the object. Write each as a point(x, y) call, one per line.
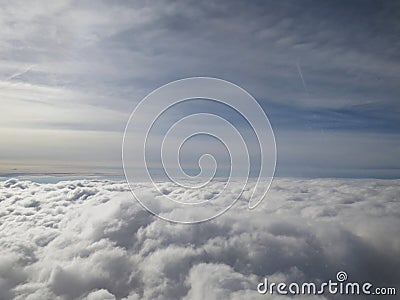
point(301, 76)
point(19, 73)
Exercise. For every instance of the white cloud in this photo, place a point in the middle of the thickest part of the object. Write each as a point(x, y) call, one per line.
point(100, 295)
point(89, 239)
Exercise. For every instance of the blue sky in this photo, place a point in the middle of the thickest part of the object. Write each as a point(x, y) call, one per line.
point(326, 73)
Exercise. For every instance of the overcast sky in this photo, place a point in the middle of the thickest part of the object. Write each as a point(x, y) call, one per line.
point(326, 73)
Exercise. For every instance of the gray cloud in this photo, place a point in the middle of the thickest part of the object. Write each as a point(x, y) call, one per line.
point(348, 52)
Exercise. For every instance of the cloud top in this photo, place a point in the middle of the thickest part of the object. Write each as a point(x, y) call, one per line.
point(88, 239)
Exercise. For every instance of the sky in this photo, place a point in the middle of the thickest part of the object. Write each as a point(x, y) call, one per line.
point(326, 74)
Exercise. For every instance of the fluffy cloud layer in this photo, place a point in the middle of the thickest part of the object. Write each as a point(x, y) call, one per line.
point(89, 239)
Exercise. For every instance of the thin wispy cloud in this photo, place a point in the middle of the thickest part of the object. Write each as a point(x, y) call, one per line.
point(328, 67)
